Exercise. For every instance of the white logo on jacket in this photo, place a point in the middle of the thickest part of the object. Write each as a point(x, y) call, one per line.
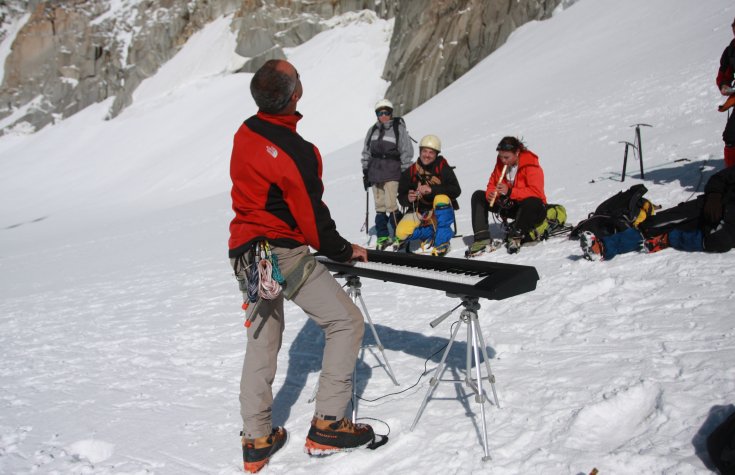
point(271, 150)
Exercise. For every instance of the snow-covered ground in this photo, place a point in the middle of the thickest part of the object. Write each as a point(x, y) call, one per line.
point(121, 336)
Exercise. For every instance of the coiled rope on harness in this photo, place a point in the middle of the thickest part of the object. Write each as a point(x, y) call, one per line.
point(269, 288)
point(253, 283)
point(269, 273)
point(264, 279)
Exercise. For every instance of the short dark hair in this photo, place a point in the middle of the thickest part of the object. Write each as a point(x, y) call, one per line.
point(510, 144)
point(271, 88)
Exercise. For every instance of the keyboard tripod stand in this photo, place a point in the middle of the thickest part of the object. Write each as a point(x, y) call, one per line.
point(475, 348)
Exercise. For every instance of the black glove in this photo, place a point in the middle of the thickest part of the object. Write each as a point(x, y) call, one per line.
point(365, 181)
point(713, 207)
point(504, 201)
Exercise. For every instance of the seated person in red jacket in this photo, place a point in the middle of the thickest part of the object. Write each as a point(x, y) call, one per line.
point(515, 191)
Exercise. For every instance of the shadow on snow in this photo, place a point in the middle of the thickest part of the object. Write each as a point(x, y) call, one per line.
point(305, 354)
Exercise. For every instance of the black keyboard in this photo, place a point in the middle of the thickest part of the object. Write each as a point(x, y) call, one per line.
point(463, 277)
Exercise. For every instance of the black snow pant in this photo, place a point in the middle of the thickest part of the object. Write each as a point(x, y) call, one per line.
point(527, 214)
point(688, 216)
point(728, 136)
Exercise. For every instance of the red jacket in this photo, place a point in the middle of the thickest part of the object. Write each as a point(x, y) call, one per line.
point(277, 190)
point(529, 178)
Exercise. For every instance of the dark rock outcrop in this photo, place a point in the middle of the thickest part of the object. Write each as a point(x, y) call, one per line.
point(435, 42)
point(74, 53)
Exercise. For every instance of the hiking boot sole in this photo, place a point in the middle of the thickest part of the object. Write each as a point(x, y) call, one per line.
point(493, 246)
point(254, 467)
point(588, 243)
point(316, 449)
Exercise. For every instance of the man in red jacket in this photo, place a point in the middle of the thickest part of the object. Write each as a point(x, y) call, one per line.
point(277, 198)
point(515, 190)
point(725, 76)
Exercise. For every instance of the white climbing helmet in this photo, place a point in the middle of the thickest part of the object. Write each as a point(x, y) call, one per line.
point(383, 104)
point(432, 142)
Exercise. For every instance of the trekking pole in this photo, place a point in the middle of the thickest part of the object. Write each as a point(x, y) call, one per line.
point(367, 212)
point(502, 174)
point(639, 144)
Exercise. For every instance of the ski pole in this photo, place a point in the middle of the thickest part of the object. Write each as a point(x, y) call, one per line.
point(502, 174)
point(367, 211)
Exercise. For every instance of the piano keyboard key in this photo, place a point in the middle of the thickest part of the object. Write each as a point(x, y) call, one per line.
point(445, 276)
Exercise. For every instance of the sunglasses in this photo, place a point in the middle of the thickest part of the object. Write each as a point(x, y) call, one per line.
point(505, 147)
point(382, 113)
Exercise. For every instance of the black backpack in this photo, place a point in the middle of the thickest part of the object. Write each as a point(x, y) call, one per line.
point(617, 213)
point(721, 446)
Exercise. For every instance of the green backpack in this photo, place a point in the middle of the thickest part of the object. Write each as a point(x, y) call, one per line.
point(556, 218)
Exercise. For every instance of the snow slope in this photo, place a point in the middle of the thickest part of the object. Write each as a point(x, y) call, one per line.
point(121, 337)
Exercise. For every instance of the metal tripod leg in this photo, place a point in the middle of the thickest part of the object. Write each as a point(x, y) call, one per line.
point(353, 290)
point(481, 344)
point(475, 347)
point(435, 379)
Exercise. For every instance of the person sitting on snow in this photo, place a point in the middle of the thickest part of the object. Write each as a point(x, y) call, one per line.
point(705, 224)
point(515, 190)
point(429, 189)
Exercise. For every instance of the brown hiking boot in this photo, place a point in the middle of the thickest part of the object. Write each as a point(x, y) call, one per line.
point(256, 453)
point(327, 437)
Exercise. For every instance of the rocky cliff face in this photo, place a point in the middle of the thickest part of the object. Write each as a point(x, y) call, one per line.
point(73, 53)
point(9, 12)
point(263, 32)
point(435, 42)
